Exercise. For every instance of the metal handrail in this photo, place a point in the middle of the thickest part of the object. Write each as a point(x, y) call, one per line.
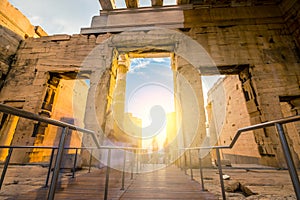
point(250, 128)
point(60, 148)
point(28, 115)
point(109, 148)
point(6, 163)
point(287, 154)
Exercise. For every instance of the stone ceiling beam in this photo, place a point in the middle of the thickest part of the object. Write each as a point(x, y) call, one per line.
point(120, 20)
point(107, 4)
point(155, 3)
point(132, 3)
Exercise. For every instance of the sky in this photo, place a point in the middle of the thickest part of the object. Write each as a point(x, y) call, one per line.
point(150, 95)
point(149, 83)
point(65, 16)
point(59, 16)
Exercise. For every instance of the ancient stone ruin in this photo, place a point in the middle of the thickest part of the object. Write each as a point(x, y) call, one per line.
point(81, 78)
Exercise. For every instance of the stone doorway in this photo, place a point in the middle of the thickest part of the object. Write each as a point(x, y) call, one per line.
point(64, 100)
point(8, 125)
point(188, 59)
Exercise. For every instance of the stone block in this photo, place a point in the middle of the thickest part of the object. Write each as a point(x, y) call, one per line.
point(61, 37)
point(39, 82)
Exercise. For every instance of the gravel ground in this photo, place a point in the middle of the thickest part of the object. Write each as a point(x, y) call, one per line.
point(21, 179)
point(262, 184)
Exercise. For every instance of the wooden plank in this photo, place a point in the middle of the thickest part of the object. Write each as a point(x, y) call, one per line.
point(166, 183)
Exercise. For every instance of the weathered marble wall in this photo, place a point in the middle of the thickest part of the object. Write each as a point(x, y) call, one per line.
point(257, 36)
point(34, 60)
point(290, 10)
point(9, 43)
point(227, 113)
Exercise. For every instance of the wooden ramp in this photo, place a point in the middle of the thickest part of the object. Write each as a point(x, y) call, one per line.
point(89, 186)
point(166, 183)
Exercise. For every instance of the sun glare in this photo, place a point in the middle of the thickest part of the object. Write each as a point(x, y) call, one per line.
point(150, 96)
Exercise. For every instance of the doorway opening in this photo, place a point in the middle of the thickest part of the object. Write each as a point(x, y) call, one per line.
point(150, 98)
point(65, 100)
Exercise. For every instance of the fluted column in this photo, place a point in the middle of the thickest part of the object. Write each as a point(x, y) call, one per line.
point(120, 90)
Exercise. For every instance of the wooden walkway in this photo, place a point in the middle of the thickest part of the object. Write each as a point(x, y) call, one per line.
point(166, 183)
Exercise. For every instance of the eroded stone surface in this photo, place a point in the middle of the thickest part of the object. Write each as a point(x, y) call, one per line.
point(264, 184)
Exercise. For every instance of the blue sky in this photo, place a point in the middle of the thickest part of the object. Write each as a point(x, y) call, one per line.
point(149, 83)
point(65, 16)
point(150, 95)
point(149, 70)
point(59, 16)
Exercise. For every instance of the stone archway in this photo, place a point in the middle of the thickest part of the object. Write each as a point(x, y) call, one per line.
point(188, 54)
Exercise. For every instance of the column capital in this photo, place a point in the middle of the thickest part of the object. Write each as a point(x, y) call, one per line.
point(173, 62)
point(123, 63)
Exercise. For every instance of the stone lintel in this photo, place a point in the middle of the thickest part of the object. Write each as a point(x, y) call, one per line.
point(59, 37)
point(137, 19)
point(106, 29)
point(223, 69)
point(176, 17)
point(149, 55)
point(153, 17)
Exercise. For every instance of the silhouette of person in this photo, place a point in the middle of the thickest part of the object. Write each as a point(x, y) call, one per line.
point(166, 150)
point(155, 150)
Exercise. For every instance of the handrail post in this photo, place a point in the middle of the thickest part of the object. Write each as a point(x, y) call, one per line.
point(132, 165)
point(57, 163)
point(5, 166)
point(74, 165)
point(123, 172)
point(201, 170)
point(107, 174)
point(177, 159)
point(185, 162)
point(180, 161)
point(137, 161)
point(49, 168)
point(191, 169)
point(90, 162)
point(220, 173)
point(289, 159)
point(173, 155)
point(140, 159)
